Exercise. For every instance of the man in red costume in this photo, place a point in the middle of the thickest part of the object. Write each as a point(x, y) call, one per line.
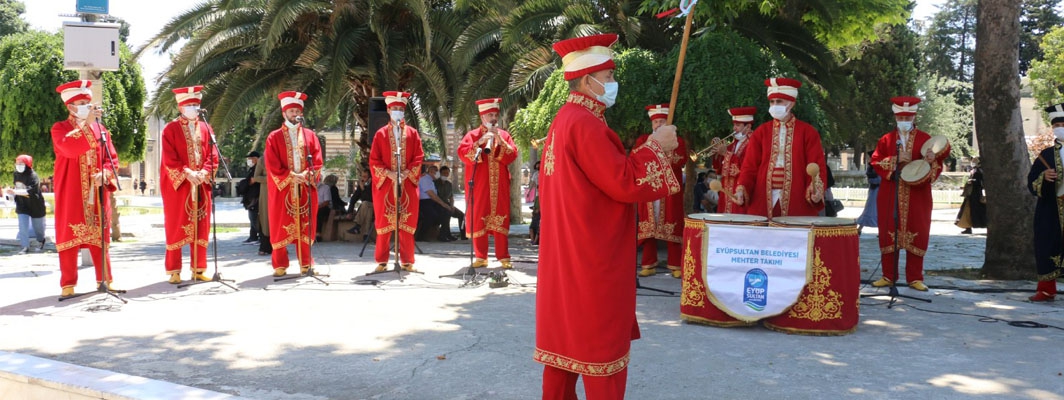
point(729, 160)
point(293, 167)
point(662, 219)
point(188, 163)
point(84, 176)
point(585, 301)
point(914, 198)
point(773, 181)
point(491, 190)
point(394, 214)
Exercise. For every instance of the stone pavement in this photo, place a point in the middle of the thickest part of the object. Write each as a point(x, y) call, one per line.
point(429, 338)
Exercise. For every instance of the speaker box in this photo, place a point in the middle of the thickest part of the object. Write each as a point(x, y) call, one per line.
point(378, 117)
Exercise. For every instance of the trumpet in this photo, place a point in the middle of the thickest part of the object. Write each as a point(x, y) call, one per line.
point(538, 142)
point(714, 145)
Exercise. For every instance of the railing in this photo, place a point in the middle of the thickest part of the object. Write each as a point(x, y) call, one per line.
point(861, 194)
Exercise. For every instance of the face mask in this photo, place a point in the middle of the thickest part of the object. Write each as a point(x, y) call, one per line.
point(20, 168)
point(1059, 132)
point(436, 175)
point(190, 112)
point(251, 163)
point(740, 135)
point(778, 111)
point(905, 126)
point(83, 111)
point(289, 124)
point(609, 97)
point(397, 115)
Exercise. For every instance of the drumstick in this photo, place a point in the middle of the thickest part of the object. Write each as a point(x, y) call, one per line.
point(716, 186)
point(1045, 163)
point(813, 169)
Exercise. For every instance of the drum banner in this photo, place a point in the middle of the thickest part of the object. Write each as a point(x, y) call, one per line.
point(756, 272)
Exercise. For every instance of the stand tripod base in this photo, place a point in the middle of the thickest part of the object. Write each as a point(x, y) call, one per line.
point(398, 270)
point(469, 276)
point(894, 295)
point(217, 277)
point(309, 274)
point(101, 289)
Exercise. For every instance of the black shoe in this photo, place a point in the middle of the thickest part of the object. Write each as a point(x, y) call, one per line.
point(967, 231)
point(355, 230)
point(250, 240)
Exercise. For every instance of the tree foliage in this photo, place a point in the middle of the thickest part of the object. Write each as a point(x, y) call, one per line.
point(31, 66)
point(878, 70)
point(947, 110)
point(949, 47)
point(1037, 18)
point(11, 17)
point(1047, 74)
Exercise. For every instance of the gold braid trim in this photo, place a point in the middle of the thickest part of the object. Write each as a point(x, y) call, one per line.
point(1037, 184)
point(1052, 276)
point(720, 324)
point(590, 369)
point(832, 232)
point(379, 175)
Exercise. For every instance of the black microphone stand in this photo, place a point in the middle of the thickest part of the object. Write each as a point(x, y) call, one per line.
point(306, 231)
point(895, 176)
point(470, 275)
point(399, 133)
point(104, 221)
point(217, 277)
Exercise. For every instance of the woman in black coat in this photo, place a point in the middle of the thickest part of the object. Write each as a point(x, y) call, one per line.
point(973, 210)
point(29, 204)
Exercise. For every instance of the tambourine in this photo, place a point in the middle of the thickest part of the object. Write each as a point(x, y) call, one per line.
point(915, 171)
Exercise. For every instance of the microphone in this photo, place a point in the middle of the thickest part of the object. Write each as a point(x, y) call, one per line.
point(203, 113)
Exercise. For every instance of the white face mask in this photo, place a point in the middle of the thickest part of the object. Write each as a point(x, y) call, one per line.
point(436, 175)
point(289, 124)
point(251, 163)
point(397, 115)
point(905, 126)
point(609, 96)
point(83, 111)
point(740, 136)
point(20, 168)
point(1059, 132)
point(778, 111)
point(190, 112)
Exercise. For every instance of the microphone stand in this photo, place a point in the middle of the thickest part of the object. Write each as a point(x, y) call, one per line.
point(306, 231)
point(217, 277)
point(399, 134)
point(470, 275)
point(101, 197)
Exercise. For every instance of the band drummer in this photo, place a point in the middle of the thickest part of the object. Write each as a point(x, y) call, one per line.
point(919, 164)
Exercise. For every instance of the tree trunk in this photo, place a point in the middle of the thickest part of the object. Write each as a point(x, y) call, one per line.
point(1009, 250)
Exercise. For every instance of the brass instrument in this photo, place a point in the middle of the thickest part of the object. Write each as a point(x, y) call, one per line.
point(537, 142)
point(714, 146)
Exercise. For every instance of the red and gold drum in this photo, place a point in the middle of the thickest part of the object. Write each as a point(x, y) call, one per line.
point(829, 303)
point(695, 306)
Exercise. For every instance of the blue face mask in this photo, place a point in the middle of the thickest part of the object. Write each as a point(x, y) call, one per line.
point(609, 97)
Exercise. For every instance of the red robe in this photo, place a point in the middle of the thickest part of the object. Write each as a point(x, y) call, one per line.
point(187, 218)
point(382, 160)
point(914, 201)
point(292, 212)
point(667, 222)
point(728, 167)
point(77, 205)
point(585, 298)
point(491, 191)
point(756, 176)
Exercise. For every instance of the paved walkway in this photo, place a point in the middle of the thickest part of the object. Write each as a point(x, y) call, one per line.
point(429, 338)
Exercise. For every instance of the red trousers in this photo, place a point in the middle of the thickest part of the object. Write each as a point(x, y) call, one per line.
point(68, 265)
point(502, 248)
point(559, 384)
point(173, 259)
point(914, 267)
point(650, 254)
point(383, 247)
point(280, 256)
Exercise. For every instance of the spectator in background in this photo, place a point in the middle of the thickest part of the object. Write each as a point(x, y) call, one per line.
point(445, 189)
point(710, 199)
point(701, 187)
point(868, 216)
point(29, 204)
point(533, 227)
point(973, 210)
point(433, 211)
point(143, 186)
point(249, 190)
point(363, 196)
point(328, 200)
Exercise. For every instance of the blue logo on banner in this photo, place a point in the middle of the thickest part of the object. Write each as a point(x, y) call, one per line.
point(93, 6)
point(755, 291)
